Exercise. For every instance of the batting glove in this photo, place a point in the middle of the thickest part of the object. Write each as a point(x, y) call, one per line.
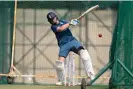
point(74, 22)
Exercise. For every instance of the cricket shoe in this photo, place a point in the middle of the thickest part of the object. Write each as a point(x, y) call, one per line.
point(86, 81)
point(59, 84)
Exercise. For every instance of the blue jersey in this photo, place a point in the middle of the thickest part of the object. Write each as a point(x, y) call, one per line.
point(64, 36)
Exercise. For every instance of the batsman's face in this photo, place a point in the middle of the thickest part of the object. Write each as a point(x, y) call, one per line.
point(55, 21)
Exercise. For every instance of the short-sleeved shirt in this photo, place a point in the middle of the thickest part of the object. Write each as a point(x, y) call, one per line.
point(65, 39)
point(64, 36)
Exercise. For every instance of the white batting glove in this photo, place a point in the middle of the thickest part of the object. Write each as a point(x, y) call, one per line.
point(74, 22)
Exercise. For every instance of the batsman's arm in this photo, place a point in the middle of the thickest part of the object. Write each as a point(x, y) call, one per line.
point(73, 22)
point(63, 27)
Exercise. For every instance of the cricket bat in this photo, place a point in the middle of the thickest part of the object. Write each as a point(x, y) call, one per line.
point(87, 11)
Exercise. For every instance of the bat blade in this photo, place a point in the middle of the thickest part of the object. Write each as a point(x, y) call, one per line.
point(87, 11)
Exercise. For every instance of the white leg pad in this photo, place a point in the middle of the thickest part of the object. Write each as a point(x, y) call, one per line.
point(85, 57)
point(60, 71)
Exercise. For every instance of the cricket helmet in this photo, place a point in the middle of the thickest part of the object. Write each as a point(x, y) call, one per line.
point(51, 16)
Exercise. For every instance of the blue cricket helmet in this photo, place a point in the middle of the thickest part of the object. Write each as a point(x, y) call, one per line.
point(51, 16)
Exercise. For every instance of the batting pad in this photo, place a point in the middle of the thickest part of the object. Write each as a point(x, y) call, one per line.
point(85, 57)
point(60, 71)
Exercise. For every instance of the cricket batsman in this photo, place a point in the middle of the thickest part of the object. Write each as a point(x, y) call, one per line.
point(67, 42)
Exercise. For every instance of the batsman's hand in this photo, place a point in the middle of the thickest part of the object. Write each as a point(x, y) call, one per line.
point(74, 22)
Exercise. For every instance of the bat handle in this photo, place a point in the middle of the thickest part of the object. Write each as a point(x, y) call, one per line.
point(79, 18)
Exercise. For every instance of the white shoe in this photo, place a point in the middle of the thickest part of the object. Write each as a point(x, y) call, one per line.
point(59, 83)
point(92, 77)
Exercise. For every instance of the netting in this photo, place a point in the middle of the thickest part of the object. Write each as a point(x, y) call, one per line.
point(36, 47)
point(121, 48)
point(6, 24)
